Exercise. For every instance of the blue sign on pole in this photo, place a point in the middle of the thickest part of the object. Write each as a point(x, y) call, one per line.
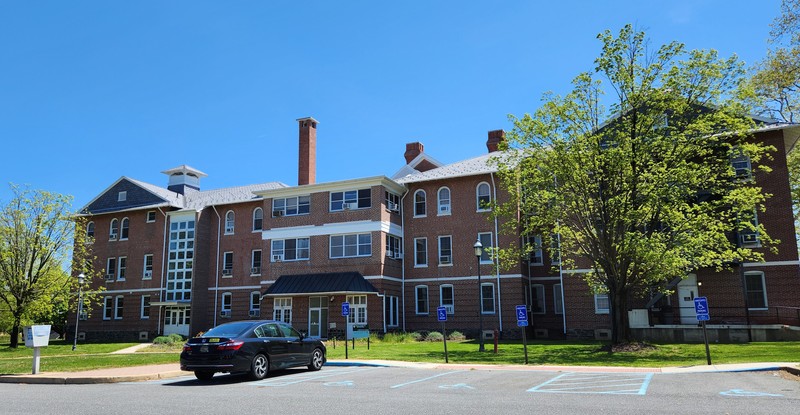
point(441, 313)
point(345, 309)
point(703, 317)
point(522, 313)
point(701, 308)
point(522, 323)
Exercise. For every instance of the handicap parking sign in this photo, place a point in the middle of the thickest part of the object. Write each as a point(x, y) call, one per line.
point(522, 313)
point(441, 313)
point(345, 308)
point(701, 308)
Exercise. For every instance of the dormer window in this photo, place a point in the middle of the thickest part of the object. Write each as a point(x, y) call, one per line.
point(122, 196)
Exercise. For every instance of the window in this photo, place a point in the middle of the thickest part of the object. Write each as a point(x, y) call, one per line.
point(748, 234)
point(227, 264)
point(290, 249)
point(486, 241)
point(392, 202)
point(111, 269)
point(108, 308)
point(444, 201)
point(756, 290)
point(353, 245)
point(255, 262)
point(351, 199)
point(227, 300)
point(291, 206)
point(394, 247)
point(151, 216)
point(555, 250)
point(446, 298)
point(118, 304)
point(487, 298)
point(113, 230)
point(741, 165)
point(445, 250)
point(421, 298)
point(90, 230)
point(420, 252)
point(482, 192)
point(255, 301)
point(180, 264)
point(558, 305)
point(123, 229)
point(148, 267)
point(229, 222)
point(258, 219)
point(419, 203)
point(601, 304)
point(144, 312)
point(123, 265)
point(358, 309)
point(535, 244)
point(282, 310)
point(392, 310)
point(537, 299)
point(122, 196)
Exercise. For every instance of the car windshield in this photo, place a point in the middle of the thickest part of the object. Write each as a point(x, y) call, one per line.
point(229, 330)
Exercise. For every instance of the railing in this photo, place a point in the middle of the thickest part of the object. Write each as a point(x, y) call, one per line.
point(783, 315)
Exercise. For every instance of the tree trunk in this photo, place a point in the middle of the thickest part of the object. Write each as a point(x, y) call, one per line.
point(620, 327)
point(15, 334)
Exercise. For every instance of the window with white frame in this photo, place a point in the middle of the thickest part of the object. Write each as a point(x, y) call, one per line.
point(111, 269)
point(555, 250)
point(748, 234)
point(444, 201)
point(227, 264)
point(421, 299)
point(123, 229)
point(420, 252)
point(484, 196)
point(122, 196)
point(118, 305)
point(558, 305)
point(258, 219)
point(255, 301)
point(282, 310)
point(180, 263)
point(290, 249)
point(291, 206)
point(756, 290)
point(392, 201)
point(144, 310)
point(108, 308)
point(741, 165)
point(255, 262)
point(123, 267)
point(537, 299)
point(351, 199)
point(113, 229)
point(226, 302)
point(358, 309)
point(601, 304)
point(352, 245)
point(487, 298)
point(486, 241)
point(535, 256)
point(147, 267)
point(419, 203)
point(83, 314)
point(447, 298)
point(445, 250)
point(230, 221)
point(392, 310)
point(90, 230)
point(394, 246)
point(151, 216)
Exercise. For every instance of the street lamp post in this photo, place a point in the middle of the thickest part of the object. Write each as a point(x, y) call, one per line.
point(478, 253)
point(81, 279)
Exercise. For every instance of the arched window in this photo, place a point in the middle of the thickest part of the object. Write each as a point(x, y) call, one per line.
point(258, 219)
point(419, 203)
point(484, 196)
point(123, 229)
point(444, 201)
point(113, 230)
point(90, 230)
point(229, 222)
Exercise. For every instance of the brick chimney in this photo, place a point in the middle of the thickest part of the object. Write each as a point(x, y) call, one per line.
point(495, 138)
point(412, 151)
point(307, 163)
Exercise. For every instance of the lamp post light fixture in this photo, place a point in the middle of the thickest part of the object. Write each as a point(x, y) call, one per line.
point(478, 254)
point(81, 280)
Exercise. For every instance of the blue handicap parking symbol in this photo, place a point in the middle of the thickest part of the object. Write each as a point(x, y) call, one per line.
point(441, 312)
point(345, 308)
point(522, 313)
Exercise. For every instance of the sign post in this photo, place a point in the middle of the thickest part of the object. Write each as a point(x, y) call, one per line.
point(441, 313)
point(701, 310)
point(522, 321)
point(345, 313)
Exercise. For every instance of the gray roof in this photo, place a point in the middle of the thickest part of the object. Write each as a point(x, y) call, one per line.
point(196, 199)
point(483, 164)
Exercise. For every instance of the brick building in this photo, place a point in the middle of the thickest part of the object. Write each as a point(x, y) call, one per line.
point(179, 259)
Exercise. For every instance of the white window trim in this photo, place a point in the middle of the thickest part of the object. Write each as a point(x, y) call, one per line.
point(487, 246)
point(478, 207)
point(122, 196)
point(494, 299)
point(255, 306)
point(439, 205)
point(597, 308)
point(416, 263)
point(118, 311)
point(763, 286)
point(557, 299)
point(537, 242)
point(147, 216)
point(120, 260)
point(254, 220)
point(439, 250)
point(283, 254)
point(253, 262)
point(108, 308)
point(230, 230)
point(427, 301)
point(227, 266)
point(142, 307)
point(222, 301)
point(125, 223)
point(343, 236)
point(452, 307)
point(425, 204)
point(113, 230)
point(144, 266)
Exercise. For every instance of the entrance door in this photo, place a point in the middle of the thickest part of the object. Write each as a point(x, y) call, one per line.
point(687, 291)
point(318, 317)
point(176, 320)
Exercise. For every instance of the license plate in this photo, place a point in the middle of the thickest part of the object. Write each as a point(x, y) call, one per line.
point(203, 349)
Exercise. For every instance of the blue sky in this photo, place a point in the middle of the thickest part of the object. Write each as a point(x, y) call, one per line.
point(94, 90)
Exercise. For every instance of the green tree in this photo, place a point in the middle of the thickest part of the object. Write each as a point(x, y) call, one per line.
point(650, 194)
point(36, 240)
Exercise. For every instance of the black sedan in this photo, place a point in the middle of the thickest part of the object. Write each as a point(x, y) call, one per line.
point(255, 347)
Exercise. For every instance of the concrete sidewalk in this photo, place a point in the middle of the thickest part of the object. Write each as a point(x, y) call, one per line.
point(172, 370)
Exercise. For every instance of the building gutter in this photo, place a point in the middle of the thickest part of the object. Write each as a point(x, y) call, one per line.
point(405, 258)
point(216, 266)
point(496, 243)
point(164, 254)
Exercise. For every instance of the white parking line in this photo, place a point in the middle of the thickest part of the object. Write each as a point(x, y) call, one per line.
point(424, 379)
point(600, 383)
point(294, 379)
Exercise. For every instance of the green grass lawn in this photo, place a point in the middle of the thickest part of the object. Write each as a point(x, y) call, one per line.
point(59, 356)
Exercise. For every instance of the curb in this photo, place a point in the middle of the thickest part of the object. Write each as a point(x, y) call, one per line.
point(86, 380)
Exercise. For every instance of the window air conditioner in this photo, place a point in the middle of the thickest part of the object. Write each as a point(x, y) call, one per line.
point(277, 258)
point(225, 313)
point(444, 209)
point(748, 238)
point(445, 259)
point(255, 313)
point(255, 270)
point(109, 277)
point(148, 274)
point(449, 308)
point(227, 272)
point(350, 206)
point(112, 235)
point(277, 213)
point(393, 207)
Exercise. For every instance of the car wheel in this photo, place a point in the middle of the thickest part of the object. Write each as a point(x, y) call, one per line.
point(259, 367)
point(317, 358)
point(203, 375)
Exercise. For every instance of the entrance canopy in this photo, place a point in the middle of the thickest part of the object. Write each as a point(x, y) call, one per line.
point(325, 283)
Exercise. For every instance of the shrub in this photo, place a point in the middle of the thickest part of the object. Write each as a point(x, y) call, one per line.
point(456, 336)
point(417, 336)
point(434, 336)
point(176, 337)
point(163, 340)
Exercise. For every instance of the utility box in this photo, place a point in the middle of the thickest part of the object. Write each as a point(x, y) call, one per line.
point(37, 336)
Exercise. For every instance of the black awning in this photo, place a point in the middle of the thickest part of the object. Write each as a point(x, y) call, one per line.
point(327, 283)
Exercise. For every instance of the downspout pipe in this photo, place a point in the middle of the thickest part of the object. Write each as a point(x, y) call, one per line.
point(164, 255)
point(496, 243)
point(405, 259)
point(216, 267)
